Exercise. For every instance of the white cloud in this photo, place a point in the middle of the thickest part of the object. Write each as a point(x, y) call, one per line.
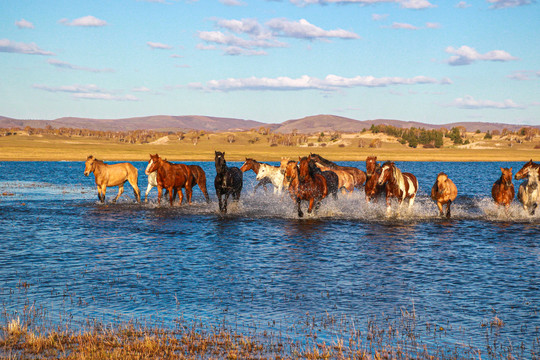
point(86, 21)
point(501, 4)
point(68, 66)
point(245, 26)
point(159, 46)
point(220, 38)
point(23, 24)
point(141, 89)
point(379, 17)
point(21, 48)
point(407, 4)
point(523, 75)
point(232, 2)
point(305, 82)
point(90, 92)
point(302, 29)
point(431, 25)
point(463, 5)
point(403, 26)
point(466, 55)
point(468, 102)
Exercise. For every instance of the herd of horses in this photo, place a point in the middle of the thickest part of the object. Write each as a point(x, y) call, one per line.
point(312, 178)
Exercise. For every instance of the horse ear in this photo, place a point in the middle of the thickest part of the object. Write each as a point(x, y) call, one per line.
point(89, 157)
point(502, 169)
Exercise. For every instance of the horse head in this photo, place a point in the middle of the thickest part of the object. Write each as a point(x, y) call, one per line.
point(386, 172)
point(153, 164)
point(283, 165)
point(506, 177)
point(263, 170)
point(441, 181)
point(303, 169)
point(522, 173)
point(89, 165)
point(371, 164)
point(221, 164)
point(291, 170)
point(247, 165)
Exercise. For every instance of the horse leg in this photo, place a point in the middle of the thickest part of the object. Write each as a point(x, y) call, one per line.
point(99, 193)
point(103, 192)
point(189, 192)
point(310, 207)
point(180, 195)
point(148, 188)
point(225, 203)
point(120, 192)
point(448, 209)
point(172, 194)
point(440, 206)
point(159, 194)
point(202, 186)
point(298, 203)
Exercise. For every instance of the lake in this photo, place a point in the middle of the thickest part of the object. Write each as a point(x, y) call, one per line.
point(260, 267)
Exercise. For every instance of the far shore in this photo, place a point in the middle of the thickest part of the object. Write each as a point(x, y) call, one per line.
point(58, 148)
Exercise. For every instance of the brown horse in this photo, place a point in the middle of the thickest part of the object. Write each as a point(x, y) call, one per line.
point(199, 178)
point(503, 189)
point(112, 175)
point(524, 171)
point(252, 164)
point(172, 177)
point(399, 185)
point(308, 187)
point(444, 191)
point(373, 171)
point(358, 176)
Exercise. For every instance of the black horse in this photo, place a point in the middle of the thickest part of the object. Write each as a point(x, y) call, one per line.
point(332, 180)
point(228, 181)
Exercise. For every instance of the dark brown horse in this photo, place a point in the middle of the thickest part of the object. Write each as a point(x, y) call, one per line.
point(359, 177)
point(305, 186)
point(399, 185)
point(112, 175)
point(332, 180)
point(172, 177)
point(199, 178)
point(524, 171)
point(373, 170)
point(228, 181)
point(503, 189)
point(252, 164)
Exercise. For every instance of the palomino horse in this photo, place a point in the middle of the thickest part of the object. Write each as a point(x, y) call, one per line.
point(112, 175)
point(172, 177)
point(373, 171)
point(306, 186)
point(273, 173)
point(199, 178)
point(522, 173)
point(399, 185)
point(503, 189)
point(529, 192)
point(228, 181)
point(444, 191)
point(358, 176)
point(252, 164)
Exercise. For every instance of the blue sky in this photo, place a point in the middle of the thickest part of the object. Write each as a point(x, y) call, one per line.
point(272, 61)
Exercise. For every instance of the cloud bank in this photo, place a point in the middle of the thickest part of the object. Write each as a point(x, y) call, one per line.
point(468, 102)
point(9, 46)
point(466, 55)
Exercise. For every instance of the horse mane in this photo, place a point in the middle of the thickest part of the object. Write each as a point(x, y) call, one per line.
point(324, 161)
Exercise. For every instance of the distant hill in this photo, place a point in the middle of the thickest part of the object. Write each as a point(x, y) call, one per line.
point(310, 124)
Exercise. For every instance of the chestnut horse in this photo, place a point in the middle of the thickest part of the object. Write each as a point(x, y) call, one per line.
point(112, 175)
point(373, 171)
point(252, 164)
point(529, 192)
point(358, 176)
point(522, 173)
point(172, 177)
point(228, 181)
point(444, 191)
point(306, 185)
point(503, 189)
point(199, 178)
point(399, 185)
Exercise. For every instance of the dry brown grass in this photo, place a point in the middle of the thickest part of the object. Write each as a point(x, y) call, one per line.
point(55, 148)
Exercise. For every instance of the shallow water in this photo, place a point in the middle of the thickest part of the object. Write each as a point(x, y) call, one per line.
point(64, 252)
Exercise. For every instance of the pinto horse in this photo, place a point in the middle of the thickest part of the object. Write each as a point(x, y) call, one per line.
point(373, 171)
point(228, 181)
point(524, 171)
point(399, 185)
point(358, 176)
point(112, 175)
point(252, 164)
point(503, 189)
point(444, 191)
point(172, 177)
point(304, 185)
point(529, 192)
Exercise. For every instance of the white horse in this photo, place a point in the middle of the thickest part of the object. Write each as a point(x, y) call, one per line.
point(274, 174)
point(529, 193)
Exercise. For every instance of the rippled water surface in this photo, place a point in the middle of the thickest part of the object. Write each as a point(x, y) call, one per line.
point(63, 251)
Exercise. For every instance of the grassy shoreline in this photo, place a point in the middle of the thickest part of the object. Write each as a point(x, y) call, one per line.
point(58, 148)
